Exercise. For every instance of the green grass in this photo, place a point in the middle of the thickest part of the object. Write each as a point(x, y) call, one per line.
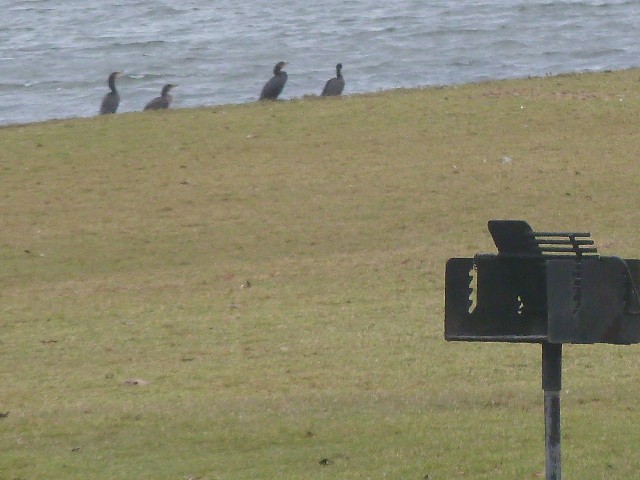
point(275, 272)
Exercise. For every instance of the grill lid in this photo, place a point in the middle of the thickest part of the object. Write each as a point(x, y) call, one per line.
point(516, 238)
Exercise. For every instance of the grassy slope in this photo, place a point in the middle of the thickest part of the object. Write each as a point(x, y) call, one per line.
point(128, 241)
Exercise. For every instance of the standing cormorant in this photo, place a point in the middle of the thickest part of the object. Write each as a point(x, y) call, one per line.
point(335, 85)
point(111, 100)
point(273, 88)
point(163, 101)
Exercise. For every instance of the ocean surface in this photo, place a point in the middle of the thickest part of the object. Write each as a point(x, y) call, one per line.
point(55, 55)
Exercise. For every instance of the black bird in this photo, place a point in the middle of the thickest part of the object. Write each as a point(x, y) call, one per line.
point(273, 88)
point(163, 101)
point(335, 85)
point(111, 100)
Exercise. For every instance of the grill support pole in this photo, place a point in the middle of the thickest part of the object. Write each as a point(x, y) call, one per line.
point(551, 385)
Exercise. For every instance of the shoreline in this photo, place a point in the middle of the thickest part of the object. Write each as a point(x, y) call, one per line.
point(312, 96)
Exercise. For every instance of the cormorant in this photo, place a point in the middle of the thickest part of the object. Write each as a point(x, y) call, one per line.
point(273, 88)
point(163, 101)
point(111, 100)
point(335, 85)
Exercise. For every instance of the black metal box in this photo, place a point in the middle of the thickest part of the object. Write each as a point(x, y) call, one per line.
point(542, 287)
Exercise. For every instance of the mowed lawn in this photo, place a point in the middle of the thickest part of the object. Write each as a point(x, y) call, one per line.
point(257, 291)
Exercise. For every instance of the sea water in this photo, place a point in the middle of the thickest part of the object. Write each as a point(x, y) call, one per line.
point(55, 55)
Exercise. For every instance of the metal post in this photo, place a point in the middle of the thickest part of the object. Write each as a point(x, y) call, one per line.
point(552, 384)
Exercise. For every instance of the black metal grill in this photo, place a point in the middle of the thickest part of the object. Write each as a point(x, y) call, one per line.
point(542, 286)
point(545, 287)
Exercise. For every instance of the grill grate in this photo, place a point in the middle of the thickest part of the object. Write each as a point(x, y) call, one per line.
point(515, 238)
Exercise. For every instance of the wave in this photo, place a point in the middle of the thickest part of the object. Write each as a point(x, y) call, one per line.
point(224, 55)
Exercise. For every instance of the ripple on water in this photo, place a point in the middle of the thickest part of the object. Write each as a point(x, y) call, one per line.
point(224, 55)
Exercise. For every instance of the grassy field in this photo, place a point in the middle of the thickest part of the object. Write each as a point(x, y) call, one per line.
point(256, 291)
